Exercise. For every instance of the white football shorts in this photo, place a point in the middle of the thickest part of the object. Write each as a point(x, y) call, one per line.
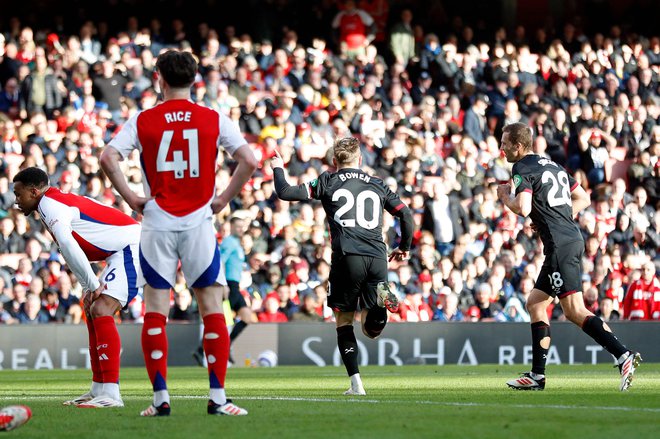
point(196, 248)
point(120, 275)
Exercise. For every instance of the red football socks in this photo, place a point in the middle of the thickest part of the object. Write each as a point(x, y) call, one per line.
point(154, 348)
point(97, 375)
point(216, 347)
point(108, 348)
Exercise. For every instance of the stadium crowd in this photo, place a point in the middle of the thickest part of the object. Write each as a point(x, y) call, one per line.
point(428, 109)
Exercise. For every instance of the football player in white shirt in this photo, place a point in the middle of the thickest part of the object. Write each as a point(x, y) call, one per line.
point(87, 231)
point(179, 145)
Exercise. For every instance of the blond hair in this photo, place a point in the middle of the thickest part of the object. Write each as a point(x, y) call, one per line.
point(346, 150)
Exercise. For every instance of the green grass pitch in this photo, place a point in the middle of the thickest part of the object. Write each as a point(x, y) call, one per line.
point(307, 402)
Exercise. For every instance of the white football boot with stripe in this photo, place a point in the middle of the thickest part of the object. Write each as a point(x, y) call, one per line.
point(228, 408)
point(102, 402)
point(79, 400)
point(627, 369)
point(526, 382)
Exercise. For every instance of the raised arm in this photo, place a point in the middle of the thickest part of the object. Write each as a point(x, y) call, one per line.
point(283, 189)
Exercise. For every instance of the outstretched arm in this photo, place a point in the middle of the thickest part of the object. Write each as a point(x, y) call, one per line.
point(283, 189)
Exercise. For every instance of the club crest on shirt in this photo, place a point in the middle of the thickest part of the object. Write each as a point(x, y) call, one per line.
point(517, 179)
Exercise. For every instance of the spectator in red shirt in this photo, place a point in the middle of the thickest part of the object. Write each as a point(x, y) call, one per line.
point(355, 27)
point(415, 309)
point(641, 294)
point(271, 312)
point(654, 290)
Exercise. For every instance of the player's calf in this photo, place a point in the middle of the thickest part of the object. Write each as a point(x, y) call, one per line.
point(375, 322)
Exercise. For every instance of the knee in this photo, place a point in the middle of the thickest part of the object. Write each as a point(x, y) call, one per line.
point(103, 306)
point(97, 310)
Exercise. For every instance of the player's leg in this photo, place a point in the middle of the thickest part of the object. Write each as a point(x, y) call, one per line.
point(537, 305)
point(373, 321)
point(594, 327)
point(120, 287)
point(108, 348)
point(198, 354)
point(376, 299)
point(158, 264)
point(216, 347)
point(348, 349)
point(239, 306)
point(97, 376)
point(347, 275)
point(201, 265)
point(572, 303)
point(155, 347)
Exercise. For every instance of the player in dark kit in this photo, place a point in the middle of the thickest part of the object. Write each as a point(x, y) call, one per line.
point(354, 202)
point(551, 197)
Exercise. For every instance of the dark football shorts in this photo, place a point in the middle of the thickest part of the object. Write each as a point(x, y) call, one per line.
point(561, 274)
point(353, 280)
point(236, 299)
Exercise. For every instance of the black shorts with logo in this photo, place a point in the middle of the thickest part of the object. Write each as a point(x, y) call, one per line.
point(561, 274)
point(353, 279)
point(236, 299)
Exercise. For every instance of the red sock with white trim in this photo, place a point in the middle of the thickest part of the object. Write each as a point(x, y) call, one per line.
point(216, 347)
point(154, 348)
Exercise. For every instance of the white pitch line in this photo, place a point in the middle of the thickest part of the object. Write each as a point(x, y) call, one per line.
point(358, 400)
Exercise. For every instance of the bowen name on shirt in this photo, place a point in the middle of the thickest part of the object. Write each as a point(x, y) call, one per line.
point(349, 175)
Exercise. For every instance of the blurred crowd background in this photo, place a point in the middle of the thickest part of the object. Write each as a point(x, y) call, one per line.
point(426, 87)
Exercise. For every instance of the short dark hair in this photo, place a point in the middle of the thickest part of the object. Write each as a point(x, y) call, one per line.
point(32, 177)
point(519, 133)
point(178, 68)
